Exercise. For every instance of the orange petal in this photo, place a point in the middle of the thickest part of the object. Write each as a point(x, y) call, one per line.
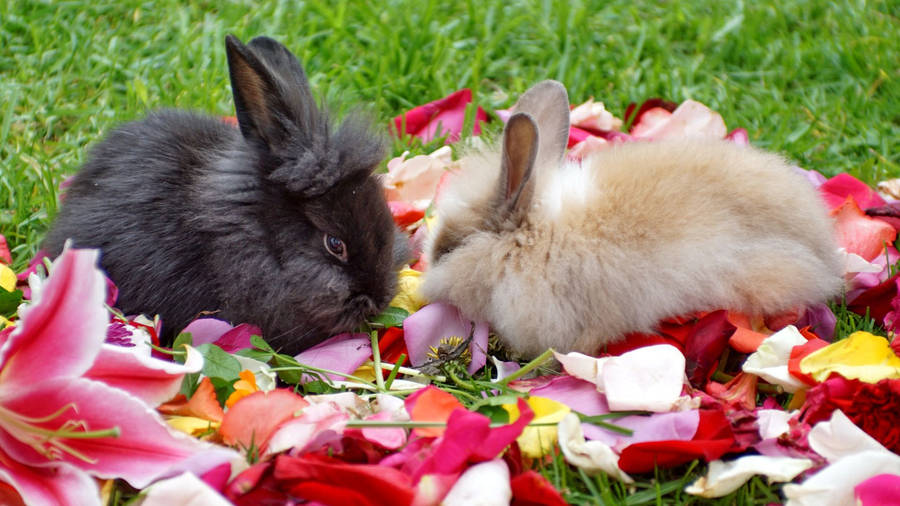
point(746, 338)
point(860, 234)
point(203, 404)
point(253, 419)
point(432, 405)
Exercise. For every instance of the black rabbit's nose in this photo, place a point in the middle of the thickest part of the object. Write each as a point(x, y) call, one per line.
point(363, 304)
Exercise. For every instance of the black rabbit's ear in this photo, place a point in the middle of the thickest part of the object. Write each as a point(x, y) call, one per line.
point(520, 145)
point(271, 93)
point(548, 103)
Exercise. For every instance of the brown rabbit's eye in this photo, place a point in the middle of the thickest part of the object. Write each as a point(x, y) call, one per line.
point(336, 247)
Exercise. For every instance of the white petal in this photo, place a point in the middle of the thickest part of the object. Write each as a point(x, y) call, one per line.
point(724, 478)
point(591, 456)
point(647, 379)
point(840, 437)
point(485, 484)
point(833, 486)
point(770, 360)
point(186, 489)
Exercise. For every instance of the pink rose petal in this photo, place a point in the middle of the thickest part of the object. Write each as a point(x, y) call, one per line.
point(582, 396)
point(342, 353)
point(878, 490)
point(206, 330)
point(675, 426)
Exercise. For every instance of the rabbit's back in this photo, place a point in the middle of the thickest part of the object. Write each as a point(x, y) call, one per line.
point(138, 198)
point(654, 230)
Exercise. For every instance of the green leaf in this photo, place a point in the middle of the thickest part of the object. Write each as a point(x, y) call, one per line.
point(496, 413)
point(289, 377)
point(262, 356)
point(261, 344)
point(9, 302)
point(224, 388)
point(391, 317)
point(185, 338)
point(189, 384)
point(219, 364)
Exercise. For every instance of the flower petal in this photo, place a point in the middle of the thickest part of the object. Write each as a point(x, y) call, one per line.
point(145, 449)
point(483, 484)
point(531, 488)
point(646, 379)
point(150, 379)
point(839, 438)
point(67, 308)
point(203, 404)
point(862, 356)
point(186, 489)
point(431, 404)
point(243, 425)
point(342, 353)
point(46, 486)
point(591, 456)
point(834, 485)
point(578, 394)
point(427, 326)
point(317, 425)
point(770, 360)
point(860, 234)
point(441, 117)
point(724, 478)
point(880, 489)
point(536, 442)
point(377, 485)
point(836, 190)
point(675, 426)
point(206, 330)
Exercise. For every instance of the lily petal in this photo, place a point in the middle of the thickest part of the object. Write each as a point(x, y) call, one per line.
point(145, 449)
point(152, 380)
point(47, 486)
point(69, 305)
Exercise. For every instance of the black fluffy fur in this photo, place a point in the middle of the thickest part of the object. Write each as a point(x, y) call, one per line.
point(192, 215)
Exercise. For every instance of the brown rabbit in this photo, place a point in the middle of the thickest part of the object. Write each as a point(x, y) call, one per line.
point(574, 255)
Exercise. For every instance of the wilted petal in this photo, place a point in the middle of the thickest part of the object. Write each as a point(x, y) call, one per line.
point(150, 379)
point(243, 426)
point(145, 449)
point(862, 356)
point(47, 486)
point(342, 353)
point(415, 180)
point(724, 478)
point(593, 116)
point(67, 308)
point(591, 456)
point(770, 360)
point(484, 484)
point(185, 489)
point(646, 379)
point(582, 366)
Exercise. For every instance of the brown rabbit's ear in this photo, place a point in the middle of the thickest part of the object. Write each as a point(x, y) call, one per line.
point(520, 145)
point(271, 93)
point(548, 103)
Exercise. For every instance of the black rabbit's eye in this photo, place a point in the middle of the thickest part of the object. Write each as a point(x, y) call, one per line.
point(336, 247)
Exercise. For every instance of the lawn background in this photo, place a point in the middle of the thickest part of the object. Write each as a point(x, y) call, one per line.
point(818, 81)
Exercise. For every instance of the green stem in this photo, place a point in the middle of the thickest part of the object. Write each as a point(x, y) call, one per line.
point(376, 357)
point(394, 371)
point(527, 368)
point(324, 371)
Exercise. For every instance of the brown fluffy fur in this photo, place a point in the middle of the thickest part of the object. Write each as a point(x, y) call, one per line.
point(639, 232)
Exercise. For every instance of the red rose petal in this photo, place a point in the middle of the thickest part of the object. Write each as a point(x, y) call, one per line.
point(532, 489)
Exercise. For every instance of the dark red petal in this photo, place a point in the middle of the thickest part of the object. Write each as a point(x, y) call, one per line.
point(705, 343)
point(532, 489)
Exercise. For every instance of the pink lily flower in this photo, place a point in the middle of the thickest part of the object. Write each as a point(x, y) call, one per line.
point(57, 426)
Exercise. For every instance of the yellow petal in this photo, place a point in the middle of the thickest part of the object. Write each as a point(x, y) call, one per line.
point(366, 372)
point(191, 424)
point(409, 297)
point(7, 278)
point(536, 442)
point(861, 356)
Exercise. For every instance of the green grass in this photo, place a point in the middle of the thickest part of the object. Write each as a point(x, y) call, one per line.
point(818, 81)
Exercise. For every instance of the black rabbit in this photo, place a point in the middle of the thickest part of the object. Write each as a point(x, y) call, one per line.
point(281, 223)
